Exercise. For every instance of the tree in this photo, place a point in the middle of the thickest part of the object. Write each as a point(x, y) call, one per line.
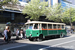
point(6, 2)
point(54, 13)
point(69, 14)
point(35, 9)
point(57, 13)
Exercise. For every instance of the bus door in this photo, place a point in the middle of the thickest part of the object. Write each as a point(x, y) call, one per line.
point(40, 26)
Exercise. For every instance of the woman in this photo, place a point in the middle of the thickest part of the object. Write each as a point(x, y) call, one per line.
point(17, 34)
point(6, 34)
point(21, 32)
point(9, 34)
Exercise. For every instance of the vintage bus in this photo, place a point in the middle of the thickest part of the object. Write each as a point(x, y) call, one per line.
point(39, 30)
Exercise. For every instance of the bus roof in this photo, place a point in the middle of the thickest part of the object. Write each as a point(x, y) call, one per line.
point(44, 22)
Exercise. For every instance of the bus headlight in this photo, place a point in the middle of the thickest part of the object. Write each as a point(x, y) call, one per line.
point(30, 34)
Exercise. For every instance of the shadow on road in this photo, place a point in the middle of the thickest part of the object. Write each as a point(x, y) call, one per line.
point(27, 46)
point(2, 42)
point(55, 37)
point(35, 47)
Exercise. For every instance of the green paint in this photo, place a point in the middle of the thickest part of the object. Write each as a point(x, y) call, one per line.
point(36, 33)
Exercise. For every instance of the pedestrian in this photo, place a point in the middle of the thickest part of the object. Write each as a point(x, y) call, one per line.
point(5, 34)
point(72, 30)
point(9, 34)
point(17, 34)
point(21, 32)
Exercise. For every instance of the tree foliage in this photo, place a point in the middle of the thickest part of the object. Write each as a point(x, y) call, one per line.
point(5, 2)
point(54, 13)
point(69, 13)
point(35, 9)
point(59, 14)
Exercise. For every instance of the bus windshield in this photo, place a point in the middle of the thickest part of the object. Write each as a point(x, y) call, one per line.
point(29, 26)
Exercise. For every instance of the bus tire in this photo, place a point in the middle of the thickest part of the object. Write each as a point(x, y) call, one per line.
point(31, 39)
point(40, 38)
point(34, 39)
point(61, 35)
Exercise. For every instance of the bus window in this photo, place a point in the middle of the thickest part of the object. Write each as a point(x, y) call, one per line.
point(36, 26)
point(49, 26)
point(30, 26)
point(62, 26)
point(44, 26)
point(54, 26)
point(27, 26)
point(59, 26)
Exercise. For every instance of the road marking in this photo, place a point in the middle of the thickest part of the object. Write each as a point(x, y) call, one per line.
point(54, 39)
point(63, 43)
point(15, 47)
point(57, 44)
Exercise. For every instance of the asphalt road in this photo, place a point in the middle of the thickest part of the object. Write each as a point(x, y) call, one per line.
point(66, 43)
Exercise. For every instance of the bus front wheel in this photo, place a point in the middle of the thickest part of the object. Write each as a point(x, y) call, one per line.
point(31, 39)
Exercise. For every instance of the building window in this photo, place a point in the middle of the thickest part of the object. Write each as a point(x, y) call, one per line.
point(68, 1)
point(25, 1)
point(20, 0)
point(51, 2)
point(43, 0)
point(12, 16)
point(59, 1)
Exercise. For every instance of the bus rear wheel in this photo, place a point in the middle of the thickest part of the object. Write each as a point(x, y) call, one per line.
point(40, 38)
point(61, 35)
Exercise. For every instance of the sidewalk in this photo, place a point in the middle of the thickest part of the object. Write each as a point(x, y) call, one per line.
point(13, 38)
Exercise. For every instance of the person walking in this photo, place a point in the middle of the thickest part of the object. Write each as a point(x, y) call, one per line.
point(9, 34)
point(72, 30)
point(5, 35)
point(21, 32)
point(17, 34)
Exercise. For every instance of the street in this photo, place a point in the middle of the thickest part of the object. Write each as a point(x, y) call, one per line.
point(66, 43)
point(42, 21)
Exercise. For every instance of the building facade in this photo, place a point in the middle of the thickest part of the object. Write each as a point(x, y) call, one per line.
point(68, 3)
point(14, 14)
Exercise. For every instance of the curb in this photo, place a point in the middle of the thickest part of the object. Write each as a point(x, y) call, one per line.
point(2, 42)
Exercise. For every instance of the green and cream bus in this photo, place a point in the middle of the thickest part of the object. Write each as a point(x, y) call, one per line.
point(39, 30)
